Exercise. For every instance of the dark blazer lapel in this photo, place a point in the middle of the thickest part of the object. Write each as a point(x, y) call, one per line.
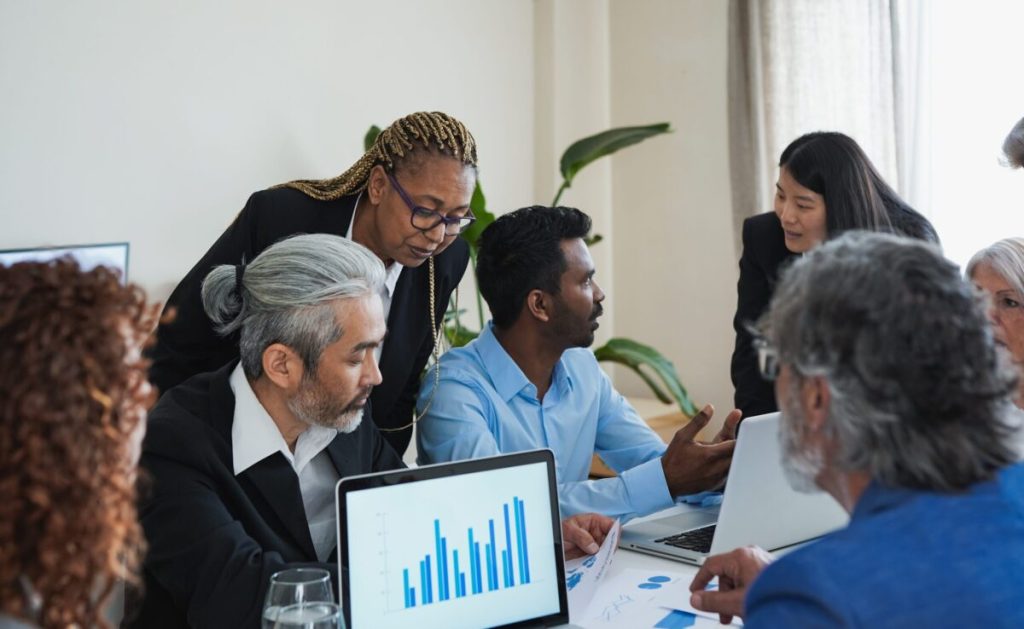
point(404, 336)
point(273, 477)
point(276, 481)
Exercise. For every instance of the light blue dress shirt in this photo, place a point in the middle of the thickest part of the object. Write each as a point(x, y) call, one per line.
point(485, 406)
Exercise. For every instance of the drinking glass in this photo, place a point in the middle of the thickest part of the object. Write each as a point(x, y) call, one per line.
point(295, 586)
point(309, 616)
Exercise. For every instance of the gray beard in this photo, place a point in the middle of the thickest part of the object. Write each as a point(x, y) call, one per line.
point(800, 464)
point(311, 413)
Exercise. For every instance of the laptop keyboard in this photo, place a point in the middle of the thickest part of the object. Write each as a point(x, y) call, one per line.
point(698, 540)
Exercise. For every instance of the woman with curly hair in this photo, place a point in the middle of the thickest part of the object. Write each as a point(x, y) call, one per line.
point(73, 399)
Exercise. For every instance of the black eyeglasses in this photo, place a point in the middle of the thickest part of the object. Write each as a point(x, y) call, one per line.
point(425, 219)
point(767, 360)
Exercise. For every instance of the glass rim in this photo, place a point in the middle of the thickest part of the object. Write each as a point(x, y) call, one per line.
point(295, 576)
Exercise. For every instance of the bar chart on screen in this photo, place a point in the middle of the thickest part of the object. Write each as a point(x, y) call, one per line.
point(441, 576)
point(461, 551)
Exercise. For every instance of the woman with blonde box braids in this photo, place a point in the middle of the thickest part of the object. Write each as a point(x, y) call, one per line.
point(407, 199)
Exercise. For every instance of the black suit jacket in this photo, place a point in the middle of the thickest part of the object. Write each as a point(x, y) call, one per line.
point(189, 345)
point(213, 538)
point(764, 254)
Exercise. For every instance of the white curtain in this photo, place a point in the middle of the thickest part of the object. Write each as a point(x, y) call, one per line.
point(855, 66)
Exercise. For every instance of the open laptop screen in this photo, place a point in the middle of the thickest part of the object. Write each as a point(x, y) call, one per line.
point(468, 544)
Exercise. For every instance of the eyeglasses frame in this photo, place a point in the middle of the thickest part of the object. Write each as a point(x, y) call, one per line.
point(462, 222)
point(767, 360)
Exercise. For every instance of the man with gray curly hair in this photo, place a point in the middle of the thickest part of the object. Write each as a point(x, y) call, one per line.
point(895, 401)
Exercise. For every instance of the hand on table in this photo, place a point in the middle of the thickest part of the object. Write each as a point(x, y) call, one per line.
point(735, 570)
point(583, 533)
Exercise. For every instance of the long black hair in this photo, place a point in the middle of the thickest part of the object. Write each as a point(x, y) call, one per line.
point(856, 197)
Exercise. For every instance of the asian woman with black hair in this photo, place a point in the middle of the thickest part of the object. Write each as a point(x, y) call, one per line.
point(826, 186)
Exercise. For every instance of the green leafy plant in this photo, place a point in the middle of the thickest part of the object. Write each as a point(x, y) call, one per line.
point(654, 369)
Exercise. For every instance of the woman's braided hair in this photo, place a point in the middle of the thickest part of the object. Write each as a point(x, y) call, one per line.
point(422, 131)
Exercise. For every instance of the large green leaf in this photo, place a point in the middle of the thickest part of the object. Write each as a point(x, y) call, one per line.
point(483, 218)
point(582, 152)
point(456, 333)
point(371, 135)
point(643, 358)
point(459, 336)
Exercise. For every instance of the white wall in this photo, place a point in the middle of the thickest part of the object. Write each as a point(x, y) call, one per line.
point(573, 84)
point(152, 122)
point(675, 266)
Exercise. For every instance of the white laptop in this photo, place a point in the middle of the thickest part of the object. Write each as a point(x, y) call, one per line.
point(468, 544)
point(759, 507)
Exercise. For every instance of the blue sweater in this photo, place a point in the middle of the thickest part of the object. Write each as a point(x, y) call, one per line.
point(907, 559)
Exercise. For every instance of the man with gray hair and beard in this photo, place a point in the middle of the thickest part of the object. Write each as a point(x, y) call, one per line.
point(244, 459)
point(894, 400)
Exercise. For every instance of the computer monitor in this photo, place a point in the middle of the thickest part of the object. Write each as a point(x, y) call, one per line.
point(113, 255)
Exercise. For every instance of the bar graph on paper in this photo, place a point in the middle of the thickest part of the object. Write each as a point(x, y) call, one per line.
point(475, 561)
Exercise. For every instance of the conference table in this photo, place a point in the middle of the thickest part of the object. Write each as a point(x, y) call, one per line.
point(624, 604)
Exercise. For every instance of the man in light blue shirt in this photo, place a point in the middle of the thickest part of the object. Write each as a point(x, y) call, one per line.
point(529, 382)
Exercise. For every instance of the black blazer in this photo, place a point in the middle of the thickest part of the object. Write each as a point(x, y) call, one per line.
point(189, 345)
point(213, 538)
point(764, 254)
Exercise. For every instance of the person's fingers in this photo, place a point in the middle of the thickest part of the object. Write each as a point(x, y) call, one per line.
point(732, 421)
point(730, 602)
point(580, 537)
point(694, 426)
point(722, 450)
point(713, 566)
point(599, 526)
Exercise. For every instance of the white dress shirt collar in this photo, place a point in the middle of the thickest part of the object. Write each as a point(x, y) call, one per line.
point(391, 272)
point(255, 436)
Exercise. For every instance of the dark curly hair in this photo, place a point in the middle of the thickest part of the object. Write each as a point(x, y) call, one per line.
point(73, 398)
point(521, 251)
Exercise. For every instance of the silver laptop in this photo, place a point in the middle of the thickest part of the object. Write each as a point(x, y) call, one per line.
point(759, 507)
point(469, 544)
